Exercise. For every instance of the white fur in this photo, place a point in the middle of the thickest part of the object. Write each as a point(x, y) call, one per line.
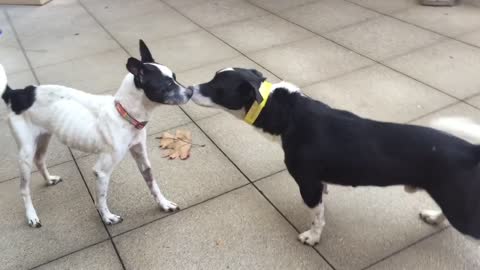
point(286, 85)
point(226, 69)
point(312, 236)
point(458, 126)
point(89, 123)
point(432, 217)
point(3, 80)
point(165, 70)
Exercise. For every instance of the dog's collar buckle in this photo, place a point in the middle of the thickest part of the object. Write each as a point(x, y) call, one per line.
point(125, 115)
point(257, 108)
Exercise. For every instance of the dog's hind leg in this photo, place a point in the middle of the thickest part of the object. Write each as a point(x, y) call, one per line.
point(312, 196)
point(103, 170)
point(39, 159)
point(25, 138)
point(139, 153)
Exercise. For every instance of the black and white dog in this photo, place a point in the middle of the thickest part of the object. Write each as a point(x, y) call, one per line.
point(107, 125)
point(325, 145)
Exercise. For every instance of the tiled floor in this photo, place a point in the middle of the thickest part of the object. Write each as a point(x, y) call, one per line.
point(391, 60)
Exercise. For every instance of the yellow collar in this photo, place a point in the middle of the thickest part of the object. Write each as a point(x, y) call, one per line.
point(256, 108)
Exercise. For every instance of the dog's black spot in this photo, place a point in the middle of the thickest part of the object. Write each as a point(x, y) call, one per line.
point(20, 100)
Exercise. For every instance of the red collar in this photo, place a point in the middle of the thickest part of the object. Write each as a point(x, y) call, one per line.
point(123, 113)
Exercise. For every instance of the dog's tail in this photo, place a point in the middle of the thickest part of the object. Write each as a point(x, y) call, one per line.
point(3, 80)
point(460, 127)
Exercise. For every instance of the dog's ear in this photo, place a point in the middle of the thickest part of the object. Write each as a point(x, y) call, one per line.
point(135, 67)
point(145, 54)
point(256, 81)
point(257, 73)
point(252, 88)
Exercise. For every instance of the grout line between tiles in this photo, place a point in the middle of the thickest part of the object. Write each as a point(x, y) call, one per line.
point(70, 253)
point(391, 15)
point(71, 153)
point(258, 190)
point(195, 123)
point(235, 165)
point(218, 38)
point(36, 171)
point(363, 55)
point(433, 112)
point(181, 210)
point(406, 247)
point(100, 216)
point(17, 38)
point(197, 204)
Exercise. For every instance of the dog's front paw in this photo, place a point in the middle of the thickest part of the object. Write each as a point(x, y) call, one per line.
point(34, 222)
point(53, 180)
point(111, 219)
point(169, 206)
point(432, 217)
point(309, 238)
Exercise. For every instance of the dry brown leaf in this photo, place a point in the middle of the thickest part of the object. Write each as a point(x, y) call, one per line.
point(179, 145)
point(166, 140)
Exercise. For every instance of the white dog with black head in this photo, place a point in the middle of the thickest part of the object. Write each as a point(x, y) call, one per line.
point(110, 126)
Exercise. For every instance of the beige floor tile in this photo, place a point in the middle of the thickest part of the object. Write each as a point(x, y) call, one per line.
point(167, 23)
point(279, 5)
point(65, 7)
point(57, 48)
point(475, 101)
point(386, 6)
point(206, 174)
point(206, 73)
point(13, 59)
point(449, 21)
point(184, 3)
point(255, 153)
point(69, 220)
point(7, 38)
point(363, 225)
point(217, 12)
point(21, 79)
point(94, 74)
point(449, 66)
point(56, 154)
point(456, 110)
point(383, 38)
point(260, 33)
point(99, 257)
point(379, 93)
point(328, 15)
point(166, 117)
point(444, 251)
point(308, 61)
point(30, 21)
point(107, 11)
point(188, 51)
point(239, 230)
point(47, 41)
point(471, 38)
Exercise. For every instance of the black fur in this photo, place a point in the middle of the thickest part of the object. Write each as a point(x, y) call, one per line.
point(157, 86)
point(323, 144)
point(21, 99)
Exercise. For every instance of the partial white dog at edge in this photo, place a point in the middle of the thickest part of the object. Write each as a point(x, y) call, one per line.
point(110, 126)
